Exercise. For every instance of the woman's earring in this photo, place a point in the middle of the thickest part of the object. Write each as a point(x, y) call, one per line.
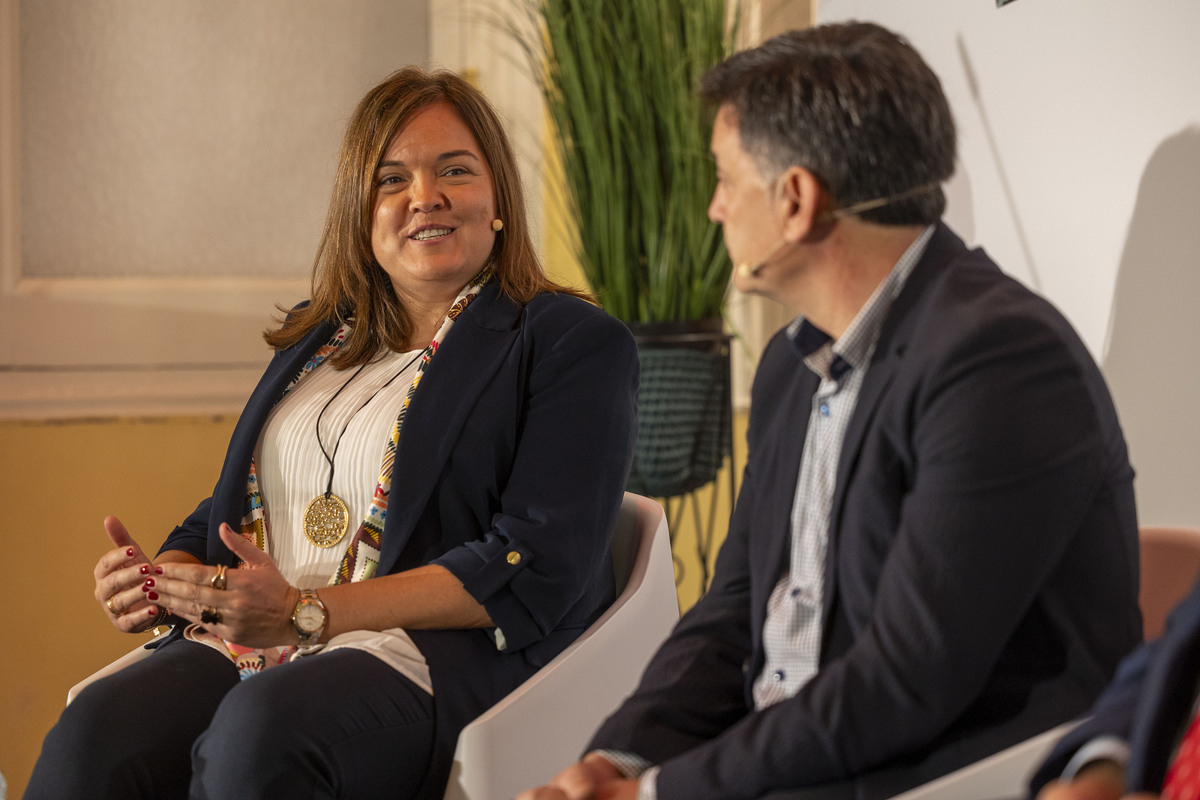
point(497, 225)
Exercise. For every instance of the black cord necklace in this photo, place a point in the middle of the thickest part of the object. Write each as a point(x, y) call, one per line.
point(326, 518)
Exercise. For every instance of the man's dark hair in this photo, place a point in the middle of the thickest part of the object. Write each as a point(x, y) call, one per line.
point(852, 103)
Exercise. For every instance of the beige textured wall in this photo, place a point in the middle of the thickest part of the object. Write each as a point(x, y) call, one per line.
point(164, 174)
point(191, 138)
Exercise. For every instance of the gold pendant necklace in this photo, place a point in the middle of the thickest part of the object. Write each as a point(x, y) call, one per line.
point(326, 520)
point(326, 517)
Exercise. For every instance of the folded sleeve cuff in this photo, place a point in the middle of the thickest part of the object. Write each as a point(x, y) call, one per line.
point(486, 577)
point(630, 765)
point(1102, 748)
point(648, 785)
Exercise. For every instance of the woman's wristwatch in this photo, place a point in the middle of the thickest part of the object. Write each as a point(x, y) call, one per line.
point(309, 617)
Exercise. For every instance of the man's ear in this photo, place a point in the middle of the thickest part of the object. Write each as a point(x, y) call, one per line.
point(804, 203)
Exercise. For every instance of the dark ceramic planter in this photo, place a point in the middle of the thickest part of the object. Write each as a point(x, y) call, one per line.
point(683, 406)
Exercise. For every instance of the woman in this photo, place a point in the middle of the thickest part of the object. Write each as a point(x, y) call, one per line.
point(438, 375)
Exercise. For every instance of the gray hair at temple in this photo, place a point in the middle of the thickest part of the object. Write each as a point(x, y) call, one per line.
point(854, 104)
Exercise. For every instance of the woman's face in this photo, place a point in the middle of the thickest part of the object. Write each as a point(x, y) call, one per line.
point(431, 230)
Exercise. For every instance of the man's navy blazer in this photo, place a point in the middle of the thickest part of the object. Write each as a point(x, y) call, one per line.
point(519, 439)
point(1148, 705)
point(981, 569)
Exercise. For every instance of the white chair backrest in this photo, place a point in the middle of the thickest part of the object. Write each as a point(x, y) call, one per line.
point(1004, 774)
point(542, 726)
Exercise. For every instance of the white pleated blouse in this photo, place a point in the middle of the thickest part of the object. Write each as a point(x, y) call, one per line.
point(292, 471)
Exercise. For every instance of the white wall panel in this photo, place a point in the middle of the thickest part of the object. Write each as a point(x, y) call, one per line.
point(1079, 125)
point(164, 172)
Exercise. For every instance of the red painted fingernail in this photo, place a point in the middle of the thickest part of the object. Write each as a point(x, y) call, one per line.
point(145, 569)
point(152, 612)
point(129, 551)
point(149, 584)
point(152, 596)
point(158, 570)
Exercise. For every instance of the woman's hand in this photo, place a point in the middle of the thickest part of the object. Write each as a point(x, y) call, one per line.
point(119, 575)
point(253, 610)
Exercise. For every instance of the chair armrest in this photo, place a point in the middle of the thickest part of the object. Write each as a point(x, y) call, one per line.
point(544, 724)
point(121, 663)
point(1002, 775)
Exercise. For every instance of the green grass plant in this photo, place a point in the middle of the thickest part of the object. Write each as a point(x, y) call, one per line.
point(619, 79)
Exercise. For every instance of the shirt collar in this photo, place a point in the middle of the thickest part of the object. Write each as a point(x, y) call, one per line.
point(854, 348)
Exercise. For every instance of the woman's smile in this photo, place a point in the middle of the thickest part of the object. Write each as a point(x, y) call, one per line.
point(434, 205)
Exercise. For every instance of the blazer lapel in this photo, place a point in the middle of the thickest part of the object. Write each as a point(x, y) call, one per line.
point(886, 360)
point(473, 351)
point(1168, 697)
point(875, 383)
point(229, 497)
point(785, 447)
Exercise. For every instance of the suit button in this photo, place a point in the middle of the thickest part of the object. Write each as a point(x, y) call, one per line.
point(778, 676)
point(514, 557)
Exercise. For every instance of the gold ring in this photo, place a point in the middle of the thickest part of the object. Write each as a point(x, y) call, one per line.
point(158, 619)
point(112, 610)
point(218, 580)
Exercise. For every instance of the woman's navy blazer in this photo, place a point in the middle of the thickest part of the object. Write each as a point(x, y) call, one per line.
point(519, 439)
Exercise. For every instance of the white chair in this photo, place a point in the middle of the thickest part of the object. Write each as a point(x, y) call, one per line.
point(1002, 775)
point(121, 663)
point(543, 725)
point(1169, 563)
point(546, 722)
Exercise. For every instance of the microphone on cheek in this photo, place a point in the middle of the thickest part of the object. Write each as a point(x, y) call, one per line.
point(747, 270)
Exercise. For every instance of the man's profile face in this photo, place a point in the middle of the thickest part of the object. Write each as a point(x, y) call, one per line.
point(742, 200)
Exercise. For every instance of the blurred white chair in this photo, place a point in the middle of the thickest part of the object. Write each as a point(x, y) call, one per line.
point(1169, 565)
point(526, 738)
point(116, 666)
point(998, 777)
point(546, 722)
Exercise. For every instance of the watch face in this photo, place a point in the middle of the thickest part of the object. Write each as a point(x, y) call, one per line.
point(309, 617)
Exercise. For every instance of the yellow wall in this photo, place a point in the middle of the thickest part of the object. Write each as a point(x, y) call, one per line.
point(684, 516)
point(57, 483)
point(58, 480)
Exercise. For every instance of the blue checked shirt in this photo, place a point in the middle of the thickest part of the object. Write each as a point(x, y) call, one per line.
point(792, 629)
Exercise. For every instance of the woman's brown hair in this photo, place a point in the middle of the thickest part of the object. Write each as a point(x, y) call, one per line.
point(347, 281)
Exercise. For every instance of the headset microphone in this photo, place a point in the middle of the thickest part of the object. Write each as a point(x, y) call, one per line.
point(745, 270)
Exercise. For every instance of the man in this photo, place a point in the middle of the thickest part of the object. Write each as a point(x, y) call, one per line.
point(933, 554)
point(1143, 735)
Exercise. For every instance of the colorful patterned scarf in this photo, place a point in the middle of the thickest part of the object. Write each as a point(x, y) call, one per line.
point(362, 556)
